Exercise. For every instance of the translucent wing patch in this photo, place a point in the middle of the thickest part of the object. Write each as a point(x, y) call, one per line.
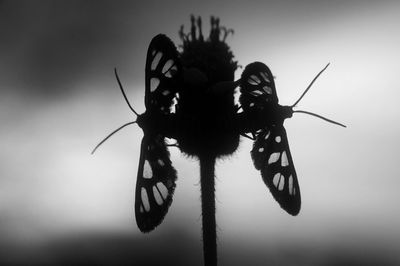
point(155, 184)
point(257, 87)
point(271, 155)
point(163, 74)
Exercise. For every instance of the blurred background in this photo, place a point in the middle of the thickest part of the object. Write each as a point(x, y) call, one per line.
point(59, 205)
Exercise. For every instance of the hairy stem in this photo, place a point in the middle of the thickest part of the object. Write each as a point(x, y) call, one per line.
point(207, 177)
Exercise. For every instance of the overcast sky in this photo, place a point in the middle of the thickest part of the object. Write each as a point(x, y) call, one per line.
point(59, 98)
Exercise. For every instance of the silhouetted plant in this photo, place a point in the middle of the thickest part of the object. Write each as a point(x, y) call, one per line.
point(207, 124)
point(207, 103)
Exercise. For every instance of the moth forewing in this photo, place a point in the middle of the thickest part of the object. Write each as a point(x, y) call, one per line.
point(163, 73)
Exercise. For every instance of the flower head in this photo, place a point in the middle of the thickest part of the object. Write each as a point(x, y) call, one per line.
point(212, 55)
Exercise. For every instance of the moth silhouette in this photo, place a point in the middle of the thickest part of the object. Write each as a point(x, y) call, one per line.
point(156, 176)
point(271, 154)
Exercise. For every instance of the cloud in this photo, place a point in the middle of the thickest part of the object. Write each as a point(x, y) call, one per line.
point(49, 47)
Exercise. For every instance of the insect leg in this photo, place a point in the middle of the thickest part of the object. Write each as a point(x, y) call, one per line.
point(247, 136)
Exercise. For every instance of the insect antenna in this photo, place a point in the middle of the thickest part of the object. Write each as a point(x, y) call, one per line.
point(112, 133)
point(123, 92)
point(319, 116)
point(309, 86)
point(310, 113)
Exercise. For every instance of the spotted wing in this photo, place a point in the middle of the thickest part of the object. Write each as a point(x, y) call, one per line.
point(272, 156)
point(163, 74)
point(257, 87)
point(155, 184)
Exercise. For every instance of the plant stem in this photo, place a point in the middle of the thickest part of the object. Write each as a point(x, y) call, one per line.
point(207, 177)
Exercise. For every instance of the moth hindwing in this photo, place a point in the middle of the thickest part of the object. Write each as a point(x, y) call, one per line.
point(271, 155)
point(155, 184)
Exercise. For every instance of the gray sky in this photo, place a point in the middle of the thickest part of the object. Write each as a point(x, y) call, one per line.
point(59, 98)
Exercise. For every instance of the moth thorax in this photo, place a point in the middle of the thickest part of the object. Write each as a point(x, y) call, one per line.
point(141, 120)
point(277, 114)
point(285, 112)
point(153, 122)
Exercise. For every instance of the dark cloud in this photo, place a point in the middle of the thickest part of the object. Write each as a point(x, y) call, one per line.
point(50, 46)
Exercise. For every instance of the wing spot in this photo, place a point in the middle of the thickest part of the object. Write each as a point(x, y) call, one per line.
point(252, 104)
point(274, 157)
point(160, 162)
point(157, 196)
point(281, 182)
point(291, 188)
point(173, 106)
point(145, 199)
point(167, 66)
point(254, 79)
point(166, 92)
point(156, 60)
point(251, 82)
point(278, 139)
point(267, 135)
point(276, 179)
point(154, 82)
point(163, 190)
point(284, 159)
point(256, 92)
point(264, 75)
point(267, 89)
point(172, 71)
point(261, 149)
point(147, 172)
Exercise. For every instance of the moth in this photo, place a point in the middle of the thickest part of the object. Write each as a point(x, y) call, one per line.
point(270, 153)
point(156, 176)
point(262, 116)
